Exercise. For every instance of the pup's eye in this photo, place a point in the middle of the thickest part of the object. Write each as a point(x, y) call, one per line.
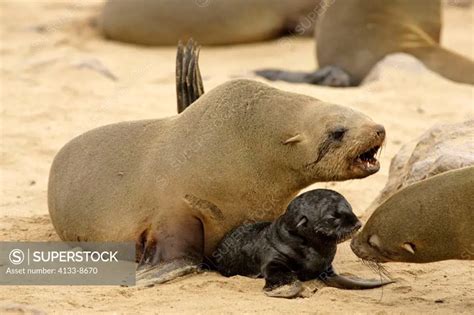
point(338, 134)
point(337, 215)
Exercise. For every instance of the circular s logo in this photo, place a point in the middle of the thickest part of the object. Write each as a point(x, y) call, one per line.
point(17, 256)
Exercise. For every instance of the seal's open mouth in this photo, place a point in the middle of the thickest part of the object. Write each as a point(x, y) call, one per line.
point(367, 162)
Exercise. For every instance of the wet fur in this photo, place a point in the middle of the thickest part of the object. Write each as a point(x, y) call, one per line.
point(299, 245)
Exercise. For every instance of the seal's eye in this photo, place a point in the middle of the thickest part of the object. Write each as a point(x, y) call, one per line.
point(409, 247)
point(374, 241)
point(338, 133)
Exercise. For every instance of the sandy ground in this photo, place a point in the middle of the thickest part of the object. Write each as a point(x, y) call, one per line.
point(50, 93)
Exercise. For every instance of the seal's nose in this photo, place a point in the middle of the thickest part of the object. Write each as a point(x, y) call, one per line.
point(380, 130)
point(354, 245)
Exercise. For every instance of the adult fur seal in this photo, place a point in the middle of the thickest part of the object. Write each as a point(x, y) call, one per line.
point(300, 245)
point(177, 185)
point(353, 35)
point(213, 22)
point(428, 221)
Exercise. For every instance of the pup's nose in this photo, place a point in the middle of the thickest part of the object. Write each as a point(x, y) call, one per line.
point(380, 130)
point(358, 225)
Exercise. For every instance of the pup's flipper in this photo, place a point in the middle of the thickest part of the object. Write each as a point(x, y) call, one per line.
point(287, 291)
point(332, 279)
point(189, 86)
point(328, 76)
point(280, 281)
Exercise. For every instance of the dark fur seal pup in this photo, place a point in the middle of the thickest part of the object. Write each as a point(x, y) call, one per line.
point(299, 245)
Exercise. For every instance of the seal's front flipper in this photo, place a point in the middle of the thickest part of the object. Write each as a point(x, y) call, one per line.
point(173, 250)
point(332, 279)
point(189, 86)
point(164, 272)
point(328, 76)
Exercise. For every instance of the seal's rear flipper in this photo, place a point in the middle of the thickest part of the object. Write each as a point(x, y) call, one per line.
point(447, 63)
point(189, 86)
point(332, 279)
point(328, 76)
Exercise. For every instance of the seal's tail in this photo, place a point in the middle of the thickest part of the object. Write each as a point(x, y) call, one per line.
point(189, 85)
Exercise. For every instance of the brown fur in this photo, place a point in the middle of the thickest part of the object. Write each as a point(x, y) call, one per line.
point(355, 34)
point(165, 22)
point(435, 217)
point(178, 185)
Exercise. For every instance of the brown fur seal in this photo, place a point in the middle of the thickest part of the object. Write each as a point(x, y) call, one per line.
point(298, 246)
point(428, 221)
point(177, 185)
point(353, 35)
point(210, 22)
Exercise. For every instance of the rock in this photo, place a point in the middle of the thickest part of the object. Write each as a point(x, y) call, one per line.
point(397, 66)
point(440, 149)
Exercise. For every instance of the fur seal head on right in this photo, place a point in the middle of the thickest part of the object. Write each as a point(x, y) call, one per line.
point(428, 221)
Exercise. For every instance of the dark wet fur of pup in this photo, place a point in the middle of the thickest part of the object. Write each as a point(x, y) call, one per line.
point(299, 246)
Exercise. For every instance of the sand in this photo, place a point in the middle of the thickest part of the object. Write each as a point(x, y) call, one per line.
point(59, 78)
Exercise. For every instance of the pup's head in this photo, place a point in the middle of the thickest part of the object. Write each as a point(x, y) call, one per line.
point(321, 213)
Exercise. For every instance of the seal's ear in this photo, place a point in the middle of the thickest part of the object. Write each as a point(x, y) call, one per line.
point(294, 139)
point(302, 222)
